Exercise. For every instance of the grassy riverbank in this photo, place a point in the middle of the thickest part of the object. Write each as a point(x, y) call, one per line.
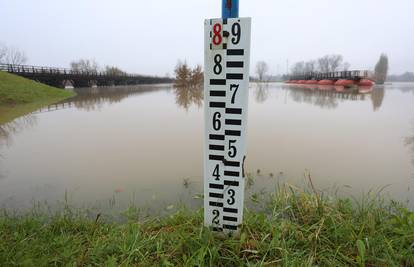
point(19, 96)
point(291, 228)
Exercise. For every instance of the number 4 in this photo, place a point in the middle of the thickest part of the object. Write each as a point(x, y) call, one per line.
point(216, 173)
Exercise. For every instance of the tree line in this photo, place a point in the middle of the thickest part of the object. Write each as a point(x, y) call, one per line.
point(327, 63)
point(91, 66)
point(12, 55)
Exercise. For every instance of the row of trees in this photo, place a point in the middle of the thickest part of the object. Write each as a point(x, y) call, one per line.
point(90, 65)
point(11, 55)
point(328, 63)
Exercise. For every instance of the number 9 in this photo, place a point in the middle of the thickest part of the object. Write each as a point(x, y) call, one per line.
point(236, 31)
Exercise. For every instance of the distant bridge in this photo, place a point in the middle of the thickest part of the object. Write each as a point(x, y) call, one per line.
point(61, 77)
point(355, 75)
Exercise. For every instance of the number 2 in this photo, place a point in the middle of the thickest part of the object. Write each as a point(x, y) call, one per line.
point(216, 214)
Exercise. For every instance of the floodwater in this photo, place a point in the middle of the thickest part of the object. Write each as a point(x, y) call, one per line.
point(144, 145)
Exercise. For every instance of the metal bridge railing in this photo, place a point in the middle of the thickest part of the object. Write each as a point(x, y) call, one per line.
point(354, 74)
point(28, 69)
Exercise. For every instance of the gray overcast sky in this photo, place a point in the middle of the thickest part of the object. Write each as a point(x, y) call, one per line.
point(149, 37)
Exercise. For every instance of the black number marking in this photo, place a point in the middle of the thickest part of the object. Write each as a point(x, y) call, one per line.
point(216, 214)
point(217, 67)
point(235, 87)
point(232, 149)
point(236, 31)
point(216, 173)
point(232, 200)
point(216, 121)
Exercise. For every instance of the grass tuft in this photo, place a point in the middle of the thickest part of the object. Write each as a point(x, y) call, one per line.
point(293, 228)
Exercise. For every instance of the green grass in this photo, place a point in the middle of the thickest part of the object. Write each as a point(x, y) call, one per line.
point(19, 96)
point(291, 228)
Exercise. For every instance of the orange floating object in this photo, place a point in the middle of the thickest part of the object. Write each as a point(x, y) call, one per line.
point(326, 82)
point(345, 83)
point(366, 82)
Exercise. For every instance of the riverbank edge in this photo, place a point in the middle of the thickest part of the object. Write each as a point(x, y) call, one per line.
point(20, 96)
point(291, 228)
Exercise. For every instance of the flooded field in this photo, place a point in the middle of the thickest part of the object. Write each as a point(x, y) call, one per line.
point(143, 145)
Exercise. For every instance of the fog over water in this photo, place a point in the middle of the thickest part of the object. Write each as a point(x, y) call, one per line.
point(149, 37)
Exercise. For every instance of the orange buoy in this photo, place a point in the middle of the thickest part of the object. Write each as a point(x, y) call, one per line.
point(366, 82)
point(345, 83)
point(326, 82)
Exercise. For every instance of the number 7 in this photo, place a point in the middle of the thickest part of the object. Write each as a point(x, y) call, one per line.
point(235, 87)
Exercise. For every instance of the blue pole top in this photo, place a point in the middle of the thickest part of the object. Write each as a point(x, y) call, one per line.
point(230, 9)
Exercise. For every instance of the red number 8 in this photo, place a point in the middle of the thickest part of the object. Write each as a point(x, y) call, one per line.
point(217, 38)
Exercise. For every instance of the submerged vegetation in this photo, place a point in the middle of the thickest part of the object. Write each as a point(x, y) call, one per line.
point(19, 96)
point(290, 227)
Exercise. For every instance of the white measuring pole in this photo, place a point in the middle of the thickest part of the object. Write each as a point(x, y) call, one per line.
point(226, 85)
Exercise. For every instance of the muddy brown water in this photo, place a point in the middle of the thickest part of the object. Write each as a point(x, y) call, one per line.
point(143, 145)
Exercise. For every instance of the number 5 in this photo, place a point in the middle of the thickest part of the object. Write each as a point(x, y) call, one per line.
point(232, 149)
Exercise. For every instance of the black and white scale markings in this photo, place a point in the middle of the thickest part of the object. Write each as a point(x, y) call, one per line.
point(226, 83)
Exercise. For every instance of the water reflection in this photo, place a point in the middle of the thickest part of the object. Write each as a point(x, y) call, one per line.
point(329, 97)
point(377, 97)
point(409, 142)
point(262, 92)
point(93, 99)
point(8, 130)
point(186, 95)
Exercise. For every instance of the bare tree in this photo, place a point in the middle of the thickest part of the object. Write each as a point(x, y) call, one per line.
point(12, 55)
point(298, 68)
point(114, 71)
point(3, 51)
point(346, 66)
point(329, 63)
point(335, 61)
point(261, 69)
point(323, 64)
point(310, 66)
point(84, 65)
point(381, 69)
